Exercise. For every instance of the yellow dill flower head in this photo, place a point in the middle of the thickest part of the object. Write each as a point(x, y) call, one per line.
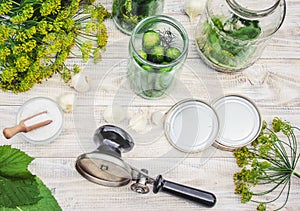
point(4, 53)
point(102, 36)
point(27, 13)
point(5, 7)
point(36, 37)
point(8, 75)
point(50, 7)
point(22, 63)
point(21, 36)
point(5, 33)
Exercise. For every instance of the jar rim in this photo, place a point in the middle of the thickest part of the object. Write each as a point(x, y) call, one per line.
point(252, 13)
point(171, 21)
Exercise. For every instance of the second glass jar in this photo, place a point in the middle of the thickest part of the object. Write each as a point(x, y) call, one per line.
point(232, 34)
point(127, 13)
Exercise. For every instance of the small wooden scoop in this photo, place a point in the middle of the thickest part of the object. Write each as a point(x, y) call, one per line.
point(22, 127)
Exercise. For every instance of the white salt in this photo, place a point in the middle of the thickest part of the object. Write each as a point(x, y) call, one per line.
point(37, 119)
point(48, 132)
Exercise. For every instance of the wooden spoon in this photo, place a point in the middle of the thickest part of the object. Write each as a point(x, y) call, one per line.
point(21, 127)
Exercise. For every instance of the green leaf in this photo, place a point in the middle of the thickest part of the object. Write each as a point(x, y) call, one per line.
point(14, 163)
point(246, 33)
point(19, 189)
point(16, 192)
point(46, 203)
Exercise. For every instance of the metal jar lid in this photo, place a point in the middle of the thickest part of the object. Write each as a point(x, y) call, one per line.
point(240, 122)
point(232, 121)
point(191, 125)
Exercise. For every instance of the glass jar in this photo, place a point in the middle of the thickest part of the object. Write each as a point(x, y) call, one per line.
point(127, 13)
point(231, 34)
point(158, 48)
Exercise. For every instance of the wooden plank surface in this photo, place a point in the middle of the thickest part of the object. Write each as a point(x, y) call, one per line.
point(273, 83)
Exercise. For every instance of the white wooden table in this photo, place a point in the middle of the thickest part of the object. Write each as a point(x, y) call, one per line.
point(273, 83)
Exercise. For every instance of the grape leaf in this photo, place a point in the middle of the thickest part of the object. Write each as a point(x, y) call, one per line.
point(15, 192)
point(14, 162)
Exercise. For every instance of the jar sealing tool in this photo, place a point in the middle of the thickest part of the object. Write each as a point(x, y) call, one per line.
point(105, 166)
point(28, 124)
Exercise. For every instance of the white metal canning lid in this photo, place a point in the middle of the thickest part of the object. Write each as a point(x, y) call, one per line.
point(240, 122)
point(191, 125)
point(232, 121)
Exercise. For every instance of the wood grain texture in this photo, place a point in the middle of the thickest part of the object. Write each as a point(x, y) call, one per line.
point(272, 83)
point(67, 186)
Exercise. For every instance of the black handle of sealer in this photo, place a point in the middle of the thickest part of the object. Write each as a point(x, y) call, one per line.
point(203, 197)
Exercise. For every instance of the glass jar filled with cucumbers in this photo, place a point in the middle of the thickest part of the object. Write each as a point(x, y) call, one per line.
point(157, 49)
point(127, 13)
point(232, 34)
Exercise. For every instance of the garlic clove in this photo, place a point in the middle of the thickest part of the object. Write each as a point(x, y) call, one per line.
point(138, 123)
point(157, 118)
point(193, 8)
point(66, 101)
point(80, 82)
point(114, 114)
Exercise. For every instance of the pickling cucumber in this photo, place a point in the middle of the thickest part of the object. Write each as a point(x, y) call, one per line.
point(150, 39)
point(147, 67)
point(172, 53)
point(142, 54)
point(157, 54)
point(165, 69)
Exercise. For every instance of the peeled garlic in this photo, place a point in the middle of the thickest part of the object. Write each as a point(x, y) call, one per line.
point(138, 123)
point(193, 8)
point(114, 114)
point(80, 82)
point(157, 118)
point(66, 101)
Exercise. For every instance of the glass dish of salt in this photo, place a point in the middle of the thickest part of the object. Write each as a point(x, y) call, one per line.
point(47, 133)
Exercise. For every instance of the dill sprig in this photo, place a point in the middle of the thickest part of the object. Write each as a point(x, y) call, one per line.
point(36, 38)
point(269, 161)
point(166, 37)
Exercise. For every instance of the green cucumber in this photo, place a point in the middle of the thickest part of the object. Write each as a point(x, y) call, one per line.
point(142, 54)
point(147, 67)
point(157, 54)
point(165, 69)
point(172, 53)
point(150, 39)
